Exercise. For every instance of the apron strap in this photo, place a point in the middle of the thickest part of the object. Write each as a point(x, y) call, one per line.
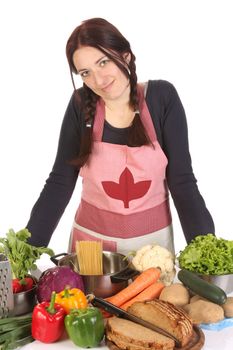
point(98, 126)
point(145, 114)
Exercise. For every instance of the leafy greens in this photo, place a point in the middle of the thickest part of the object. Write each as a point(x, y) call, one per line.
point(21, 255)
point(208, 255)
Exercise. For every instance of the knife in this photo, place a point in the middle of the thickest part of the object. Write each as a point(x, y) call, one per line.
point(112, 309)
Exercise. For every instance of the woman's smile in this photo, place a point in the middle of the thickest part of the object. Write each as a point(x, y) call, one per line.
point(108, 87)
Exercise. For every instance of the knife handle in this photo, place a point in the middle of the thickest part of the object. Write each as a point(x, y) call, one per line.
point(109, 307)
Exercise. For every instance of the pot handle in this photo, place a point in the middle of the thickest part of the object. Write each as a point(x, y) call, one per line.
point(124, 275)
point(54, 258)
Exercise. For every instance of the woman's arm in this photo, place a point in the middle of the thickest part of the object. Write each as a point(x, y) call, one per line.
point(170, 122)
point(60, 184)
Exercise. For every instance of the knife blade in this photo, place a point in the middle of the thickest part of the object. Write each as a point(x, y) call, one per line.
point(112, 309)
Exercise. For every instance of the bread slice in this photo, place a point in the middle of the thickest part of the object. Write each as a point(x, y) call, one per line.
point(166, 316)
point(132, 336)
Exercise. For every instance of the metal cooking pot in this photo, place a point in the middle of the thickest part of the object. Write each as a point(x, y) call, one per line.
point(116, 273)
point(24, 302)
point(225, 282)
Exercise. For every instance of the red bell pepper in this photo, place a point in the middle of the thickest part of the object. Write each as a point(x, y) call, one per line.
point(48, 321)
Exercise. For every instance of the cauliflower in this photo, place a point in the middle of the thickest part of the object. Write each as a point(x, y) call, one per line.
point(156, 256)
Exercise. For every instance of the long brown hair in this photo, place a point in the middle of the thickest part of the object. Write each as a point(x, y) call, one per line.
point(102, 35)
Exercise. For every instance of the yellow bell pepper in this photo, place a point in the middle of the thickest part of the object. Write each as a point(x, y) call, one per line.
point(71, 299)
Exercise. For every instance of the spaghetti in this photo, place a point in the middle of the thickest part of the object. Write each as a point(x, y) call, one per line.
point(90, 257)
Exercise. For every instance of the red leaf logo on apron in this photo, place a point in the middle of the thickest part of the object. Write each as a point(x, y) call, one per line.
point(126, 190)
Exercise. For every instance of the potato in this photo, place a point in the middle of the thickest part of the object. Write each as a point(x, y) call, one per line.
point(202, 311)
point(228, 307)
point(175, 294)
point(196, 298)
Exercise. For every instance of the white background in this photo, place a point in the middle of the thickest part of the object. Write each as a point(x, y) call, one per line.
point(186, 42)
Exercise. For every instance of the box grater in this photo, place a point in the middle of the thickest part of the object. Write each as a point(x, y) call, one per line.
point(6, 293)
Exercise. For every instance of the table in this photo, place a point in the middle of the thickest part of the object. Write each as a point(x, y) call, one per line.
point(213, 341)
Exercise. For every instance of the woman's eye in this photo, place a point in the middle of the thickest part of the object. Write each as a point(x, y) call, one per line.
point(84, 74)
point(104, 62)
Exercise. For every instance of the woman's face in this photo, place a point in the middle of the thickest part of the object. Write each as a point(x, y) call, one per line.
point(100, 74)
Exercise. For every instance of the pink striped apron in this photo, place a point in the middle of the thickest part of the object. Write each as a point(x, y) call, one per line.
point(124, 199)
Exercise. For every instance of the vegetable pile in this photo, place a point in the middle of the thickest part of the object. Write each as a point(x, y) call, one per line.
point(208, 255)
point(56, 279)
point(22, 285)
point(71, 299)
point(68, 310)
point(201, 287)
point(22, 257)
point(85, 327)
point(48, 321)
point(145, 287)
point(15, 332)
point(154, 255)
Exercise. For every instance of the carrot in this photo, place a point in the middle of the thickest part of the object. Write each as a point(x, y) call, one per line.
point(144, 280)
point(105, 314)
point(150, 293)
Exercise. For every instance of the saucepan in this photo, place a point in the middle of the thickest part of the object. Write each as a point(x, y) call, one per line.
point(116, 273)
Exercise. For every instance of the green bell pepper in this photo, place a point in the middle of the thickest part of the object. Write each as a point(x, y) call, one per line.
point(85, 327)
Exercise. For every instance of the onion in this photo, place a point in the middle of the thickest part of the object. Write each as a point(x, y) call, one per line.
point(56, 279)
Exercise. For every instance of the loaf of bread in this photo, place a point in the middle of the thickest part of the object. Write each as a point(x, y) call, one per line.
point(132, 336)
point(166, 316)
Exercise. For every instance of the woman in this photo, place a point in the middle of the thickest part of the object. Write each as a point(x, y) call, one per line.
point(129, 143)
